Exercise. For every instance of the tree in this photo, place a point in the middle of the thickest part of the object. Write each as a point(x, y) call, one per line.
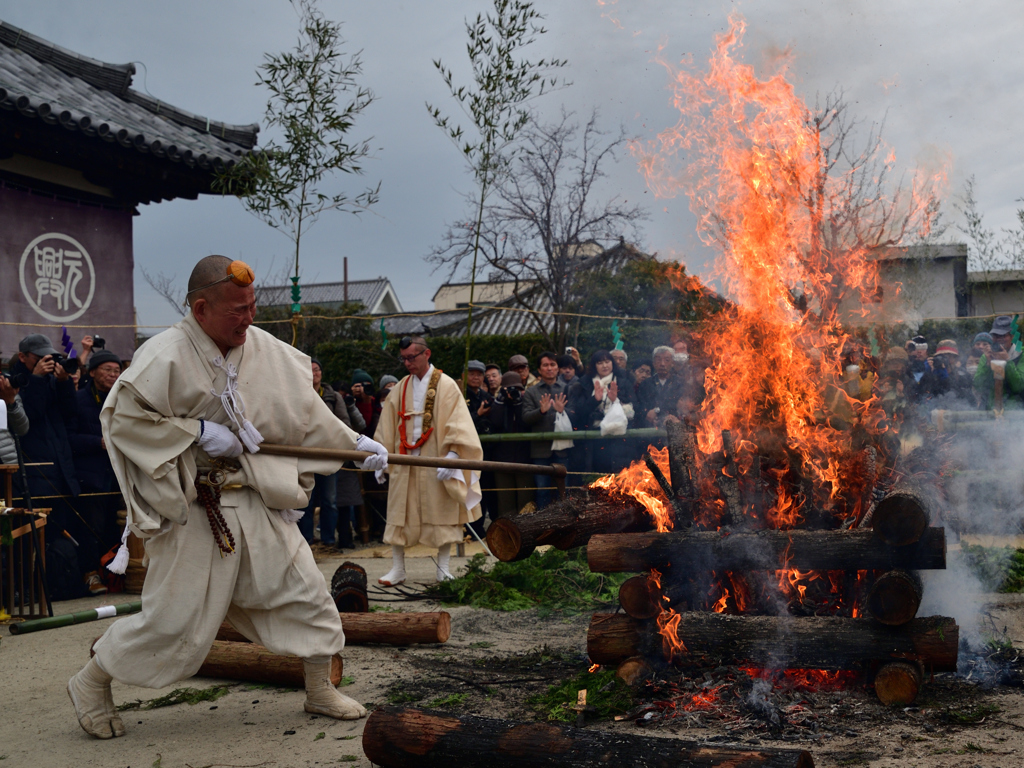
point(546, 208)
point(314, 101)
point(496, 103)
point(991, 254)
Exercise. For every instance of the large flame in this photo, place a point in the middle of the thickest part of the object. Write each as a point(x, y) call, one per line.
point(638, 481)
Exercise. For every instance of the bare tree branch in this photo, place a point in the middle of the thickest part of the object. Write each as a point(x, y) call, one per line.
point(166, 287)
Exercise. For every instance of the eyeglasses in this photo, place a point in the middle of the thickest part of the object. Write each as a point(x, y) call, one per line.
point(410, 358)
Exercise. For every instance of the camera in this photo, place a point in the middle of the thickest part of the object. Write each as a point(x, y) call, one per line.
point(69, 364)
point(513, 395)
point(17, 380)
point(98, 342)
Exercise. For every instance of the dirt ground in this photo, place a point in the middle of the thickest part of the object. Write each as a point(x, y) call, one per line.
point(491, 666)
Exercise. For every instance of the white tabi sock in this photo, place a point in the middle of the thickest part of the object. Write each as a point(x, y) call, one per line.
point(94, 705)
point(444, 557)
point(397, 573)
point(322, 698)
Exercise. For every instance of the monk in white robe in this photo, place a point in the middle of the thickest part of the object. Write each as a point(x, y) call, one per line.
point(192, 396)
point(426, 415)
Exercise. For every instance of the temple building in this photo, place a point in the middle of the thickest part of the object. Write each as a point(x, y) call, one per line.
point(80, 150)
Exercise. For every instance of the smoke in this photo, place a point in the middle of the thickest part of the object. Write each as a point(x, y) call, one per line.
point(984, 505)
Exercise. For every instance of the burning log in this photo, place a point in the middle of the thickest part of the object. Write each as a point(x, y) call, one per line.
point(728, 479)
point(901, 516)
point(384, 628)
point(682, 459)
point(566, 524)
point(813, 642)
point(254, 663)
point(895, 597)
point(396, 737)
point(898, 682)
point(348, 588)
point(762, 551)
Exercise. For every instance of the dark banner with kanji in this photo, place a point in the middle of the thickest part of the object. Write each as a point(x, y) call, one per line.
point(64, 264)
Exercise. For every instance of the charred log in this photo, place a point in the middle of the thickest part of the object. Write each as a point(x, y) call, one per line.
point(762, 551)
point(901, 516)
point(898, 682)
point(778, 642)
point(567, 523)
point(348, 588)
point(397, 737)
point(895, 597)
point(644, 598)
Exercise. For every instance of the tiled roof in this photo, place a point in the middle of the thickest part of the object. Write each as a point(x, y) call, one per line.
point(503, 318)
point(60, 87)
point(366, 292)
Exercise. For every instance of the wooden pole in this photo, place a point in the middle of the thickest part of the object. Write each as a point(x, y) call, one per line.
point(762, 551)
point(399, 737)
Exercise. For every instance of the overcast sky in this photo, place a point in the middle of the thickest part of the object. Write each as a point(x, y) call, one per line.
point(945, 75)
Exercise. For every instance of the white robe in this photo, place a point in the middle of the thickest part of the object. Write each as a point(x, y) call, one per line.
point(270, 588)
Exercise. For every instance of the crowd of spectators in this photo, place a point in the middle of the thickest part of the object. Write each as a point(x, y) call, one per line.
point(53, 409)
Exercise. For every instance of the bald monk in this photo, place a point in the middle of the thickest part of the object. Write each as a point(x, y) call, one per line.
point(426, 415)
point(182, 426)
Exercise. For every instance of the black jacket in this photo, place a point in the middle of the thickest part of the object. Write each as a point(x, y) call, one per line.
point(50, 405)
point(507, 418)
point(92, 464)
point(585, 410)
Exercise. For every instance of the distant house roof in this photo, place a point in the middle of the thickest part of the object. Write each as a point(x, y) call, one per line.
point(79, 98)
point(507, 317)
point(996, 276)
point(922, 251)
point(377, 296)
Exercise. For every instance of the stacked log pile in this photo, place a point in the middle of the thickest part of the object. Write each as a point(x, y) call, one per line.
point(863, 592)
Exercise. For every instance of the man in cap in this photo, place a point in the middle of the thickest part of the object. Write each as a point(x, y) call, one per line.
point(426, 415)
point(1003, 363)
point(478, 400)
point(950, 380)
point(92, 465)
point(50, 405)
point(519, 364)
point(183, 426)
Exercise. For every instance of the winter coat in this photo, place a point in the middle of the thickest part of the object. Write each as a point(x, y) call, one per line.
point(92, 464)
point(17, 422)
point(349, 490)
point(541, 422)
point(507, 418)
point(49, 405)
point(585, 411)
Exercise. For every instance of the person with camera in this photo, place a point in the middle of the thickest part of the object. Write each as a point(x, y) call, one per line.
point(426, 415)
point(1003, 363)
point(93, 468)
point(514, 489)
point(43, 376)
point(17, 421)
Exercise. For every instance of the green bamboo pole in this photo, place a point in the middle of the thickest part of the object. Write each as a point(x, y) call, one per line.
point(583, 434)
point(82, 617)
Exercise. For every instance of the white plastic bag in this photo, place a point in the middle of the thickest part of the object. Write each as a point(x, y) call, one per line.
point(614, 421)
point(562, 424)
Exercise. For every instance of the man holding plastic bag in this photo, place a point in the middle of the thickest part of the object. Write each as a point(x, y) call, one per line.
point(544, 411)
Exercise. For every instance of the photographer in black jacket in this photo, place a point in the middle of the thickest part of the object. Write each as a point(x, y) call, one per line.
point(49, 399)
point(506, 417)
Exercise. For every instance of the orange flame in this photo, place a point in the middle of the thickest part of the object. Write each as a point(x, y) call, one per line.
point(805, 679)
point(638, 481)
point(668, 627)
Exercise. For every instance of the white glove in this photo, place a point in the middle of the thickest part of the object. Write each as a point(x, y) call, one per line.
point(450, 473)
point(217, 440)
point(376, 464)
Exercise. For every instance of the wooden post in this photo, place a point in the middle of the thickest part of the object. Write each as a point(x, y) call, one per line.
point(384, 628)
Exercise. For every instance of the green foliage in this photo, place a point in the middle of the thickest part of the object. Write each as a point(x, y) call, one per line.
point(1000, 569)
point(553, 581)
point(346, 680)
point(644, 288)
point(281, 183)
point(179, 696)
point(319, 736)
point(396, 696)
point(971, 714)
point(451, 700)
point(606, 693)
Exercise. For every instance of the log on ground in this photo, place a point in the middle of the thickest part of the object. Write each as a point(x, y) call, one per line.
point(898, 683)
point(399, 737)
point(895, 597)
point(254, 663)
point(762, 551)
point(567, 523)
point(348, 588)
point(812, 642)
point(383, 628)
